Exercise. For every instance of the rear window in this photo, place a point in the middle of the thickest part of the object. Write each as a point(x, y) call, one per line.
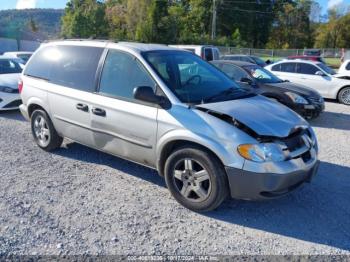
point(70, 66)
point(276, 68)
point(348, 66)
point(288, 67)
point(208, 54)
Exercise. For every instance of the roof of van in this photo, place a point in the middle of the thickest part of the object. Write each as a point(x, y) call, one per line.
point(138, 47)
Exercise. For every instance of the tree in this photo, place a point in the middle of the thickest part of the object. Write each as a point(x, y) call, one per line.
point(335, 33)
point(32, 25)
point(292, 27)
point(84, 19)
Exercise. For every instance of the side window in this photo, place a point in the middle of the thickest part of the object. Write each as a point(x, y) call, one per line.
point(121, 74)
point(288, 67)
point(70, 66)
point(208, 54)
point(234, 72)
point(348, 66)
point(276, 68)
point(306, 69)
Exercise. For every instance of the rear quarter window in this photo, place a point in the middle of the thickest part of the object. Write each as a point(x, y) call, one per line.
point(70, 66)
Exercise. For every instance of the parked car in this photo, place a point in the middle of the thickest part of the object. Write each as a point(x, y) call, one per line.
point(312, 52)
point(207, 52)
point(245, 58)
point(24, 56)
point(344, 70)
point(309, 58)
point(10, 71)
point(315, 75)
point(305, 101)
point(170, 110)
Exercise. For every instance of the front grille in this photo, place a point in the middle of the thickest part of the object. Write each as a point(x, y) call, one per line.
point(15, 103)
point(299, 144)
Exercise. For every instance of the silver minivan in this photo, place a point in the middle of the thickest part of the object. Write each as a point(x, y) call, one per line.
point(169, 110)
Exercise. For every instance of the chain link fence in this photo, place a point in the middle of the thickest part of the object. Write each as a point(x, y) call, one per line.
point(280, 53)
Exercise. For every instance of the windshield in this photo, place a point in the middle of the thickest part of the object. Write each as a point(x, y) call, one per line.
point(9, 66)
point(192, 79)
point(326, 68)
point(262, 75)
point(258, 60)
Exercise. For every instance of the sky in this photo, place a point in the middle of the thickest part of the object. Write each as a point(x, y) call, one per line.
point(22, 4)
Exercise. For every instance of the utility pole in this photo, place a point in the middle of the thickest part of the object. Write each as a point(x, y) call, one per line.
point(213, 25)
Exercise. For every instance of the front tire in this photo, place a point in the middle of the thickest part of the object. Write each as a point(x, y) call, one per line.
point(196, 179)
point(43, 131)
point(344, 96)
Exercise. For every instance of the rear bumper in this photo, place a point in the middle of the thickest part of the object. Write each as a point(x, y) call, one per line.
point(24, 111)
point(258, 186)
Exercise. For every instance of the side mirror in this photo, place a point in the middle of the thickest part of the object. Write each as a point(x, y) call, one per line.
point(146, 94)
point(246, 80)
point(320, 73)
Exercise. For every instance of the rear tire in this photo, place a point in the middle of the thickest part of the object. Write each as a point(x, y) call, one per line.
point(344, 96)
point(196, 179)
point(43, 131)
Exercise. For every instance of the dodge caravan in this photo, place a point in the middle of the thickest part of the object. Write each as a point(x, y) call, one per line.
point(170, 110)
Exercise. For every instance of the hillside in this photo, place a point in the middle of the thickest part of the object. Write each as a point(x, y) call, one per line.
point(31, 24)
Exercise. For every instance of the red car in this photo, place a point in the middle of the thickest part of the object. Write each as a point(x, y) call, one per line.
point(310, 58)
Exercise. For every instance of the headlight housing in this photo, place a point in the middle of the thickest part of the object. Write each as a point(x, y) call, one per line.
point(264, 152)
point(7, 89)
point(298, 99)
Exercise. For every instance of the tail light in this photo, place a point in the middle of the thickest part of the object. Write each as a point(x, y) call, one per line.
point(20, 85)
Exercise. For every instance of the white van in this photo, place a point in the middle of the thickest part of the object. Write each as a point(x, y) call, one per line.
point(207, 52)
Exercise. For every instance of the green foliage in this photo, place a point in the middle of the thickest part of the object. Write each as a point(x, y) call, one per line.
point(84, 19)
point(335, 33)
point(292, 27)
point(30, 23)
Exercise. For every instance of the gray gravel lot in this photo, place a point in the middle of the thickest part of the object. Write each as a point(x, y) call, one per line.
point(81, 201)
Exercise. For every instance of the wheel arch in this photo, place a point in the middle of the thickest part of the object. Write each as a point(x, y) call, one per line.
point(173, 145)
point(340, 89)
point(34, 104)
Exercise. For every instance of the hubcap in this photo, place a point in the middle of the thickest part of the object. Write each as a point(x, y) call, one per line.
point(192, 180)
point(345, 96)
point(41, 131)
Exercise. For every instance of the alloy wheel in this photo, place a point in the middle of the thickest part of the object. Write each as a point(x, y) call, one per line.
point(192, 180)
point(345, 96)
point(41, 131)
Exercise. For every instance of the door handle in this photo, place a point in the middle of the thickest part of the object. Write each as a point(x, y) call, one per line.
point(82, 107)
point(98, 111)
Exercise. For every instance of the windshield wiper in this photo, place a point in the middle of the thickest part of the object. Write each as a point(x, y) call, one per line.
point(238, 92)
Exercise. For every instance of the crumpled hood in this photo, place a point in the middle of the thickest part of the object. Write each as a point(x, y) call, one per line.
point(263, 116)
point(9, 80)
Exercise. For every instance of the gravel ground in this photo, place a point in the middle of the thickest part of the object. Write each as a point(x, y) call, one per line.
point(81, 201)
